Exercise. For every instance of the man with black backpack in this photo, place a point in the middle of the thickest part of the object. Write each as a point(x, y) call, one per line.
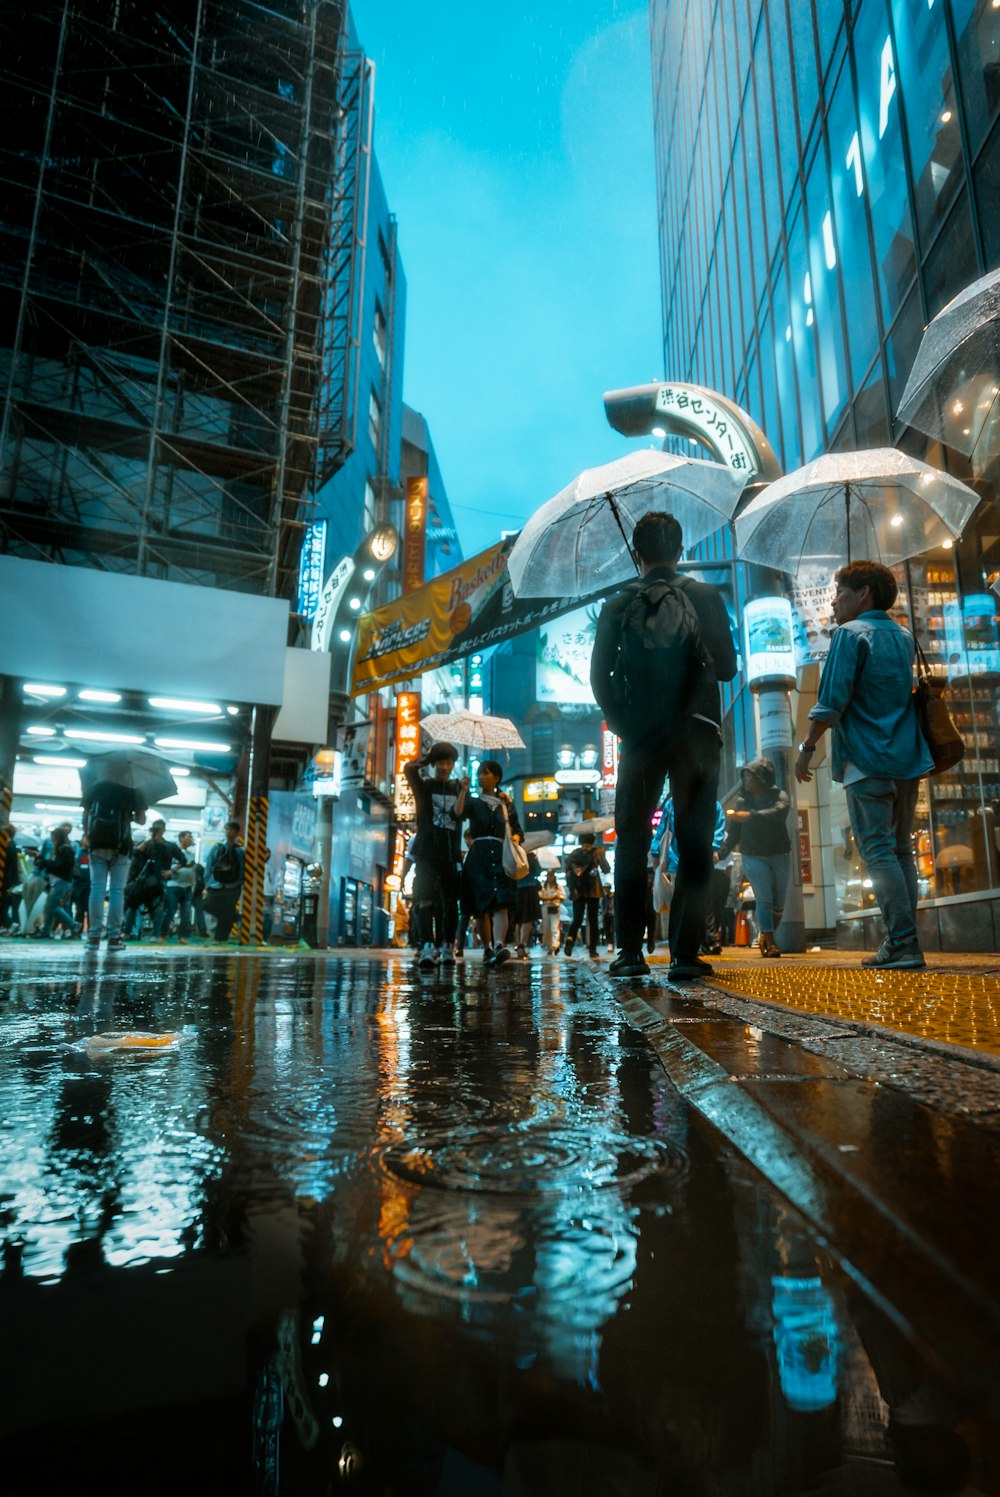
point(662, 645)
point(108, 813)
point(224, 880)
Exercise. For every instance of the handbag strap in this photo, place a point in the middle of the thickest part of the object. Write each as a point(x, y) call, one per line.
point(920, 659)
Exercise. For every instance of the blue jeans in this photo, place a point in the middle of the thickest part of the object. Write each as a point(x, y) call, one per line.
point(176, 901)
point(769, 877)
point(60, 890)
point(108, 871)
point(881, 813)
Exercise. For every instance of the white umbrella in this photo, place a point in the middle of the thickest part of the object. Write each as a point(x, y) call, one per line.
point(879, 504)
point(547, 857)
point(473, 729)
point(532, 841)
point(595, 824)
point(579, 541)
point(954, 385)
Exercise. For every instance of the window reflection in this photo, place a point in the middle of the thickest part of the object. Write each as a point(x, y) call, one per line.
point(803, 319)
point(851, 231)
point(931, 111)
point(882, 150)
point(977, 28)
point(823, 262)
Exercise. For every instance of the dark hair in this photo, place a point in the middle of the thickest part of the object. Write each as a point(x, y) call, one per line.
point(494, 767)
point(858, 575)
point(232, 826)
point(658, 538)
point(586, 839)
point(442, 750)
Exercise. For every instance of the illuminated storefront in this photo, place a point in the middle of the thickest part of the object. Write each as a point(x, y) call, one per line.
point(829, 177)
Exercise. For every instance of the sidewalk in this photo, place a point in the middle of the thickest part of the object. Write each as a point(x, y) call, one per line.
point(955, 1001)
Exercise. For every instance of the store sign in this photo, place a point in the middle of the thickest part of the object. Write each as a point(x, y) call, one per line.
point(312, 564)
point(457, 614)
point(354, 747)
point(697, 414)
point(536, 790)
point(329, 601)
point(407, 748)
point(577, 777)
point(609, 758)
point(770, 649)
point(414, 534)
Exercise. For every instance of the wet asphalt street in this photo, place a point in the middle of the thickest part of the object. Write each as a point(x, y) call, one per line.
point(303, 1224)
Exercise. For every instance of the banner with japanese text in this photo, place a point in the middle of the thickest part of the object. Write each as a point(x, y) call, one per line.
point(415, 534)
point(467, 609)
point(407, 748)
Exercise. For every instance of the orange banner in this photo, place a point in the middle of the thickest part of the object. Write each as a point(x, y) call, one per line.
point(407, 748)
point(414, 534)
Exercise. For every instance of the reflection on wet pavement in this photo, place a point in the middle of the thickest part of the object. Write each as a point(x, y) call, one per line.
point(356, 1229)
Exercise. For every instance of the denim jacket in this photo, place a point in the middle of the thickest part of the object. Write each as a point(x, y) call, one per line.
point(865, 694)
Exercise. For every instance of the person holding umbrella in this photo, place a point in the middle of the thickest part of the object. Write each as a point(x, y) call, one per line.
point(437, 854)
point(879, 753)
point(108, 813)
point(662, 645)
point(584, 867)
point(487, 891)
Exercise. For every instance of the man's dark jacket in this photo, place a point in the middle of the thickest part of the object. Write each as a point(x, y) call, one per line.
point(715, 631)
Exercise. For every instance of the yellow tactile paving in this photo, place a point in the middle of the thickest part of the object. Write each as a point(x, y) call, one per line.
point(955, 1007)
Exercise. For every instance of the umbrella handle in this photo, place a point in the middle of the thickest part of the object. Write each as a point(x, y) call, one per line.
point(618, 521)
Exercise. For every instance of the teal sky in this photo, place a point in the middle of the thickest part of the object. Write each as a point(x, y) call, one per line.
point(517, 153)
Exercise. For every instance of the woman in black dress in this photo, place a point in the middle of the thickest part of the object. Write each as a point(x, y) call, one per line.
point(487, 892)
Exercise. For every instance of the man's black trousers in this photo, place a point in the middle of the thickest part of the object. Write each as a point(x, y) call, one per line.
point(434, 917)
point(691, 760)
point(589, 909)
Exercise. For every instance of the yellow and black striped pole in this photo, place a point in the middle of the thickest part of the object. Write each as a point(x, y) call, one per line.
point(254, 860)
point(10, 729)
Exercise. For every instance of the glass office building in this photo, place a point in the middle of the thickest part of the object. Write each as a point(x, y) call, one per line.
point(828, 178)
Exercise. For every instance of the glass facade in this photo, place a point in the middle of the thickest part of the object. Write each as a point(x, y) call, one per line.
point(829, 177)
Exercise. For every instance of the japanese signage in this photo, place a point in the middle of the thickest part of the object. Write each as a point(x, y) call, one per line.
point(407, 748)
point(329, 599)
point(970, 632)
point(536, 790)
point(701, 416)
point(562, 669)
point(414, 534)
point(311, 566)
point(770, 653)
point(805, 845)
point(454, 615)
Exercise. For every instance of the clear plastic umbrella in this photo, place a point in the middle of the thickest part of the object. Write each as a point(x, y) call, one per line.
point(580, 540)
point(954, 386)
point(473, 730)
point(595, 824)
point(877, 504)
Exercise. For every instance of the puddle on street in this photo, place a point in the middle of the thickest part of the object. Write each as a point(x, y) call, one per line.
point(355, 1230)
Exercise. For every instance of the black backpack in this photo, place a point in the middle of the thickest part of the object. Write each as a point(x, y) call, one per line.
point(663, 664)
point(109, 826)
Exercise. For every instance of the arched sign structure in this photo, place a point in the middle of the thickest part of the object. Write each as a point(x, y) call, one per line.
point(705, 416)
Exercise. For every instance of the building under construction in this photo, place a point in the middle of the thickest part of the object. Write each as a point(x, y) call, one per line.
point(178, 218)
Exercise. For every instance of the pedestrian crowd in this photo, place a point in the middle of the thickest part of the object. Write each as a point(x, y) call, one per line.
point(663, 647)
point(108, 886)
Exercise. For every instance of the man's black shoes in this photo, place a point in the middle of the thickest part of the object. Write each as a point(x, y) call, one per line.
point(691, 970)
point(628, 964)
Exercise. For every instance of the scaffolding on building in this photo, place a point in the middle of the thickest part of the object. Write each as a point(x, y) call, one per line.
point(177, 281)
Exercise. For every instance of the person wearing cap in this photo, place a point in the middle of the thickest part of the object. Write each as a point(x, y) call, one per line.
point(758, 825)
point(436, 851)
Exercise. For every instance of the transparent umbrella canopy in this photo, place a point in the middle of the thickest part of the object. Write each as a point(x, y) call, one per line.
point(954, 386)
point(580, 539)
point(878, 504)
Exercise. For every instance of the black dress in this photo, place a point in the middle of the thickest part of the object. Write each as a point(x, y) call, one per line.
point(485, 886)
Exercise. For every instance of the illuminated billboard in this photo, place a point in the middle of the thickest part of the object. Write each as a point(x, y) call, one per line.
point(562, 665)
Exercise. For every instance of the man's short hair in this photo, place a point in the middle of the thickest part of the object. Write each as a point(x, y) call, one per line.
point(232, 826)
point(858, 575)
point(586, 839)
point(658, 538)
